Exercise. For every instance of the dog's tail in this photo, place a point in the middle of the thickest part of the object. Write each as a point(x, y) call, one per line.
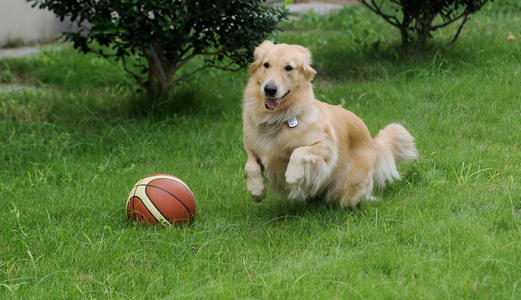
point(393, 144)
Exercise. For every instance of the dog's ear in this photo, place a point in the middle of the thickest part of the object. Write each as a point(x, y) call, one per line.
point(259, 53)
point(305, 66)
point(308, 71)
point(262, 49)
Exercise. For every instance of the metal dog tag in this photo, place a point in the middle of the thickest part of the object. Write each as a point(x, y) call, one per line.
point(292, 122)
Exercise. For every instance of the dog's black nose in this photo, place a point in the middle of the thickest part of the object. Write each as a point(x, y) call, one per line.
point(270, 90)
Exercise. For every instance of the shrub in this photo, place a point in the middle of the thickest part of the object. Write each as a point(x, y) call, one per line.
point(166, 34)
point(417, 19)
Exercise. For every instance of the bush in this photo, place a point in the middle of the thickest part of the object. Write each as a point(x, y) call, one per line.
point(167, 34)
point(417, 19)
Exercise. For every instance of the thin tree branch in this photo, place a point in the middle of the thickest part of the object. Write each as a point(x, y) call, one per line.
point(189, 74)
point(134, 75)
point(183, 61)
point(465, 19)
point(436, 27)
point(215, 52)
point(377, 9)
point(226, 68)
point(186, 59)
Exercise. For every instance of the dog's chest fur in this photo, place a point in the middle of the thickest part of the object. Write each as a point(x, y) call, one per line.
point(271, 147)
point(277, 140)
point(270, 142)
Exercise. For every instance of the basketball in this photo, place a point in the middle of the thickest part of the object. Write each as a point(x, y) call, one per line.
point(161, 199)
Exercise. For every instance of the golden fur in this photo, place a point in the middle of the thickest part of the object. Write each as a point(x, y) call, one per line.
point(330, 153)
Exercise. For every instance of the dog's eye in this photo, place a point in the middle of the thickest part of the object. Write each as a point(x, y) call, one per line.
point(288, 68)
point(266, 65)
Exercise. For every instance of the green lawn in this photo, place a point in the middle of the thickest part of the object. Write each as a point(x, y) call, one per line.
point(72, 148)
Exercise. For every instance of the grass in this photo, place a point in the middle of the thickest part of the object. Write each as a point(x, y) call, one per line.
point(75, 143)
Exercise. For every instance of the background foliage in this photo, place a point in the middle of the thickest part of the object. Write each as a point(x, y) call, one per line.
point(167, 34)
point(417, 19)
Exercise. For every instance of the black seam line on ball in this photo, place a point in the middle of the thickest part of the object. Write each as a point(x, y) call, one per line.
point(144, 205)
point(160, 188)
point(188, 210)
point(148, 196)
point(133, 205)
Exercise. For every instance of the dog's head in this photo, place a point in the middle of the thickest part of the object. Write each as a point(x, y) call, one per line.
point(280, 70)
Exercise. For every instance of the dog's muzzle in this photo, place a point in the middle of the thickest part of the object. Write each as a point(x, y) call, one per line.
point(273, 103)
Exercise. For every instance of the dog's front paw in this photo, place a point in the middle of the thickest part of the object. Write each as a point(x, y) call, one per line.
point(295, 180)
point(257, 191)
point(258, 196)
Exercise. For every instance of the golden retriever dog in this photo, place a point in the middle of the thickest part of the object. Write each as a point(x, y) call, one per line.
point(307, 148)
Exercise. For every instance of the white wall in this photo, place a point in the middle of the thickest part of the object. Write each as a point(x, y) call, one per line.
point(18, 20)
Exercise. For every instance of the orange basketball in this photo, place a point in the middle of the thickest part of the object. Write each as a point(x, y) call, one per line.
point(161, 199)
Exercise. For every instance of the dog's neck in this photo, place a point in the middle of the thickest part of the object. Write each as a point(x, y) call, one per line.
point(293, 122)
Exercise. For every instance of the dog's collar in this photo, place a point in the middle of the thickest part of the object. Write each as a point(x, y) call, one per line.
point(293, 122)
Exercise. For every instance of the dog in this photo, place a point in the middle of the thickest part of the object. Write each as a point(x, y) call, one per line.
point(307, 148)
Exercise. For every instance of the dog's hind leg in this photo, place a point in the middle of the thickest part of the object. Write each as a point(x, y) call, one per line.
point(357, 183)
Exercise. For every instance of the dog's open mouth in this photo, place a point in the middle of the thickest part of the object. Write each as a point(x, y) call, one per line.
point(273, 103)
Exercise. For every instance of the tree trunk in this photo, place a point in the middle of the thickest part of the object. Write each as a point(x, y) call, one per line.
point(404, 30)
point(405, 36)
point(160, 74)
point(157, 87)
point(423, 35)
point(424, 32)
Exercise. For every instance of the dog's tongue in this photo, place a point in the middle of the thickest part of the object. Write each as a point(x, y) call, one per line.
point(272, 103)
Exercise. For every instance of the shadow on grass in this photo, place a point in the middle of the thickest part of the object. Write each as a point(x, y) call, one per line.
point(188, 100)
point(279, 210)
point(182, 101)
point(93, 107)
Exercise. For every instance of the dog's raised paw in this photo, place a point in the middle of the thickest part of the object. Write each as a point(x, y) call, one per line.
point(295, 180)
point(294, 175)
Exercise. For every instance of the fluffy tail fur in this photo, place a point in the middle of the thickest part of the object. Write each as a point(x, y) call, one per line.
point(394, 144)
